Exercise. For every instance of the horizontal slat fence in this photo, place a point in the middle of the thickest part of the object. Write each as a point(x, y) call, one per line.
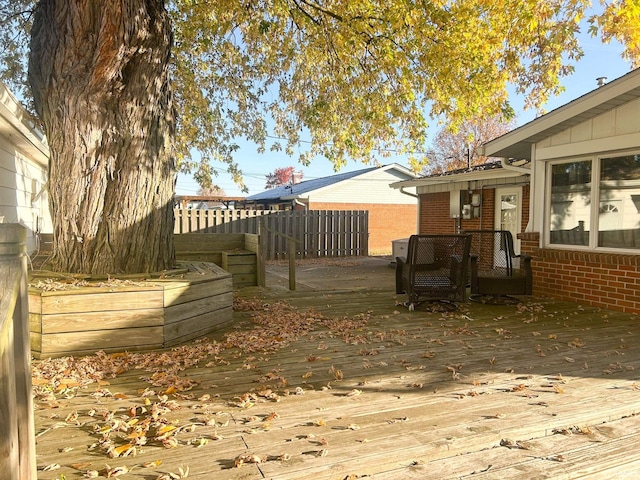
point(319, 233)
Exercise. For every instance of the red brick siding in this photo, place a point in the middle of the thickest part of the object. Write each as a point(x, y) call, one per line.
point(434, 208)
point(387, 222)
point(434, 214)
point(605, 280)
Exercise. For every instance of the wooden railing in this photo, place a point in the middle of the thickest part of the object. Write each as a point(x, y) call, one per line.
point(17, 438)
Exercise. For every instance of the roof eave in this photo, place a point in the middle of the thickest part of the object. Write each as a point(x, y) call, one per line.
point(518, 142)
point(493, 173)
point(14, 119)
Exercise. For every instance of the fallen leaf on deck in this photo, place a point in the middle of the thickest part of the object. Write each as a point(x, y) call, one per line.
point(116, 471)
point(555, 458)
point(247, 458)
point(337, 373)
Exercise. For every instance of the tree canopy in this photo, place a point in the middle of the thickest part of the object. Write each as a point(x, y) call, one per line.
point(357, 77)
point(462, 148)
point(128, 90)
point(282, 176)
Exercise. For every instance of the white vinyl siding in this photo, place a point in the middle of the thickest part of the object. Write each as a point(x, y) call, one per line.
point(617, 129)
point(368, 188)
point(23, 197)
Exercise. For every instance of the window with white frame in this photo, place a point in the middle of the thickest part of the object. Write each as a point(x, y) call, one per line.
point(595, 203)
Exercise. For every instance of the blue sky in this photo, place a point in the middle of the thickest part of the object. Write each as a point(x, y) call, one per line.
point(599, 60)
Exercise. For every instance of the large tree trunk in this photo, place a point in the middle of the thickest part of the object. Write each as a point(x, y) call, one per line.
point(99, 71)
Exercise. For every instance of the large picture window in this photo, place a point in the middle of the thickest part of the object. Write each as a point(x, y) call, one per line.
point(619, 207)
point(570, 203)
point(595, 203)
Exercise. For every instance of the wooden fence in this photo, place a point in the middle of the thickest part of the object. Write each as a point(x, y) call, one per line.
point(17, 440)
point(318, 233)
point(217, 221)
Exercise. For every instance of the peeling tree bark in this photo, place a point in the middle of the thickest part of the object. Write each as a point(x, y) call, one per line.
point(99, 72)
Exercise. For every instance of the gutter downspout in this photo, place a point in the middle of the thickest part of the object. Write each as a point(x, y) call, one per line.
point(408, 193)
point(298, 202)
point(508, 166)
point(417, 197)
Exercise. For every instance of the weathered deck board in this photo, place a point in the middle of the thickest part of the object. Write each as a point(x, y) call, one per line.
point(438, 393)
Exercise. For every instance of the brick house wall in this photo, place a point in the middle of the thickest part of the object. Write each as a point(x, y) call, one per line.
point(606, 280)
point(434, 208)
point(387, 222)
point(434, 214)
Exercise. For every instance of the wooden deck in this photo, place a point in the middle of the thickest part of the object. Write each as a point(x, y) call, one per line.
point(340, 383)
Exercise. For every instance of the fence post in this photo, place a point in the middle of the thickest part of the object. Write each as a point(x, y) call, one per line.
point(17, 447)
point(260, 258)
point(292, 264)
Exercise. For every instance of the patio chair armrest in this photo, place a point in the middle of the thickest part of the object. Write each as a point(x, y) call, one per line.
point(455, 269)
point(474, 264)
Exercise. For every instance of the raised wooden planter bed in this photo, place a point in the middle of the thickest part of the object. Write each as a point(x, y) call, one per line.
point(129, 314)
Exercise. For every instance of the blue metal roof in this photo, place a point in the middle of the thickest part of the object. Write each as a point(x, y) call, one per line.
point(306, 186)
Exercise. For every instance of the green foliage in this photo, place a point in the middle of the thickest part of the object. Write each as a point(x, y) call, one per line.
point(15, 27)
point(358, 77)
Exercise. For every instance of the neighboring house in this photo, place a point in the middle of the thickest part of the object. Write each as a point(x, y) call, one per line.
point(574, 174)
point(24, 159)
point(204, 202)
point(392, 214)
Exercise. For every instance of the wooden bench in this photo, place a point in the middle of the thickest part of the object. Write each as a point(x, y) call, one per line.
point(242, 264)
point(237, 253)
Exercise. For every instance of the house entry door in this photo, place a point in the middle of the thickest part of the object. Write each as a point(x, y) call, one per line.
point(508, 213)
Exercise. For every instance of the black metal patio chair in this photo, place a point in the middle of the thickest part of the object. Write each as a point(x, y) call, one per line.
point(497, 272)
point(435, 269)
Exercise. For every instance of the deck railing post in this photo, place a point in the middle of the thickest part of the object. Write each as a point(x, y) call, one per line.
point(17, 448)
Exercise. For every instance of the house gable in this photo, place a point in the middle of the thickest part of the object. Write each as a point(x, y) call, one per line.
point(616, 129)
point(518, 143)
point(372, 187)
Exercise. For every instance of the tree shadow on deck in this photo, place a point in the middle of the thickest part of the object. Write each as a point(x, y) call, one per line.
point(347, 371)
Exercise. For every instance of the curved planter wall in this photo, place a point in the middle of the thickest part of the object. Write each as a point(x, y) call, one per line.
point(142, 315)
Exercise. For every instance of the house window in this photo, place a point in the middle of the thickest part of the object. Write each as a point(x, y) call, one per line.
point(618, 219)
point(570, 218)
point(597, 195)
